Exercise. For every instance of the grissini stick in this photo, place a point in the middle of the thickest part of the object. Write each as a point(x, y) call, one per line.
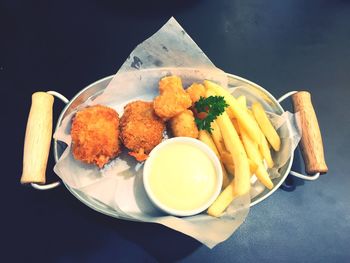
point(311, 140)
point(37, 139)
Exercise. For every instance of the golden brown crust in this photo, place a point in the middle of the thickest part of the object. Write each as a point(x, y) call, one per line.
point(196, 91)
point(95, 135)
point(173, 99)
point(141, 129)
point(183, 124)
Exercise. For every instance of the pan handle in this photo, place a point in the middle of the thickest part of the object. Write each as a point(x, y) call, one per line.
point(311, 140)
point(38, 139)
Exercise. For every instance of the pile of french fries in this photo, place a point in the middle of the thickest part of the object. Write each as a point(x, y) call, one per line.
point(241, 138)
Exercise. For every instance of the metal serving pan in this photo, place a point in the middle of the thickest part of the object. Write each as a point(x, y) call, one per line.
point(97, 87)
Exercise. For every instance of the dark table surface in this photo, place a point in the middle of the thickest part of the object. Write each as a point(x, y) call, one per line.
point(281, 45)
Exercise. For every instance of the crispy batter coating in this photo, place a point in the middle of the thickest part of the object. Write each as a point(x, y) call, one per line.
point(95, 135)
point(196, 91)
point(141, 129)
point(173, 99)
point(183, 124)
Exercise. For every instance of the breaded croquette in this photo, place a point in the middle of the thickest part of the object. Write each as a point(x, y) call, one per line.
point(95, 135)
point(196, 91)
point(141, 129)
point(183, 124)
point(173, 99)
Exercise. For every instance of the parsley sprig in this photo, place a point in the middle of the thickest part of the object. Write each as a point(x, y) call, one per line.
point(214, 106)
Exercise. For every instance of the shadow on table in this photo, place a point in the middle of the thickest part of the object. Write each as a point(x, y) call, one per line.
point(160, 242)
point(49, 235)
point(292, 182)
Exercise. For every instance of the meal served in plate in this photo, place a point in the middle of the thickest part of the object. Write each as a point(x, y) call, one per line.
point(239, 136)
point(95, 135)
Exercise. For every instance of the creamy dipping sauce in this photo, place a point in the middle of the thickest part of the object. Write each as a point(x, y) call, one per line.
point(182, 176)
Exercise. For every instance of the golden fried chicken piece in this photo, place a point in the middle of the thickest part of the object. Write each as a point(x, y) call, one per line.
point(173, 99)
point(95, 135)
point(183, 124)
point(196, 91)
point(141, 129)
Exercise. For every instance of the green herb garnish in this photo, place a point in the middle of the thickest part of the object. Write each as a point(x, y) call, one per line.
point(214, 106)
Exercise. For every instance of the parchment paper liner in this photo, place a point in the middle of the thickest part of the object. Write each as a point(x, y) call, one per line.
point(119, 184)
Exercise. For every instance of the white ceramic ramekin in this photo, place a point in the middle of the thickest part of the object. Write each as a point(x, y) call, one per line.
point(199, 145)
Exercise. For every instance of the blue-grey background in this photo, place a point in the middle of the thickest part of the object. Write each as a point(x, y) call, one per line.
point(281, 45)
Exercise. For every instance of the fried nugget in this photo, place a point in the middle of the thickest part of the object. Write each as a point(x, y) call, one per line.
point(141, 129)
point(183, 124)
point(95, 135)
point(196, 91)
point(173, 99)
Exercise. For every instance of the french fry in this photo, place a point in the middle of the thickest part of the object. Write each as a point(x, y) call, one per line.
point(264, 146)
point(205, 137)
point(217, 138)
point(254, 154)
point(235, 124)
point(242, 101)
point(230, 113)
point(240, 114)
point(227, 161)
point(243, 104)
point(265, 151)
point(263, 176)
point(230, 168)
point(224, 200)
point(266, 126)
point(215, 132)
point(252, 166)
point(251, 148)
point(226, 158)
point(240, 185)
point(209, 92)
